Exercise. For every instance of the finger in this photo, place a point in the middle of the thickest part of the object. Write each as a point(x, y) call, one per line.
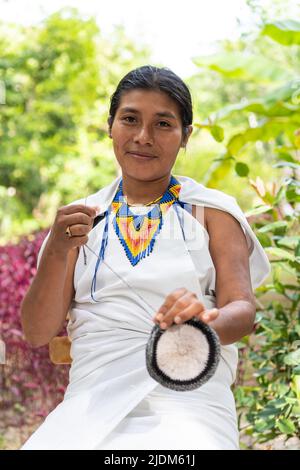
point(73, 208)
point(161, 312)
point(182, 304)
point(169, 302)
point(163, 309)
point(193, 310)
point(209, 315)
point(78, 230)
point(76, 219)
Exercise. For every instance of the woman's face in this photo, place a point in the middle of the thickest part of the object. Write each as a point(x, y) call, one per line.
point(147, 134)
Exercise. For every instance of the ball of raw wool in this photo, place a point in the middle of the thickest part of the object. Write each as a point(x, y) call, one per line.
point(182, 352)
point(183, 357)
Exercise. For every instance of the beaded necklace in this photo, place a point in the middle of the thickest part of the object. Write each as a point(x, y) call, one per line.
point(146, 226)
point(137, 232)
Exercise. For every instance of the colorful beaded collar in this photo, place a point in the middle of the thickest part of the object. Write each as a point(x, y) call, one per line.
point(137, 232)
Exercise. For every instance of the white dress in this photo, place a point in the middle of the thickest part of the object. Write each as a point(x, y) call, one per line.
point(111, 401)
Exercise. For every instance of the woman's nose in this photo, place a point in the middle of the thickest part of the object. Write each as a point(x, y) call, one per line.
point(144, 135)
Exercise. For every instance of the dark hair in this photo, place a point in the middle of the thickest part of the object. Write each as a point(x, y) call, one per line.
point(157, 79)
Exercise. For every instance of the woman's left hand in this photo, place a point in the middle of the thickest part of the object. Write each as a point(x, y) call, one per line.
point(182, 305)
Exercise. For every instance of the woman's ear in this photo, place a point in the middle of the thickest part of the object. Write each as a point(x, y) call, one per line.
point(187, 132)
point(109, 122)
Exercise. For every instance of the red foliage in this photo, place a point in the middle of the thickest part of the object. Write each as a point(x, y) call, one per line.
point(28, 378)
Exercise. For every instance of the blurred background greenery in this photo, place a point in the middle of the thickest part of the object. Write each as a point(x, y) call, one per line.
point(56, 78)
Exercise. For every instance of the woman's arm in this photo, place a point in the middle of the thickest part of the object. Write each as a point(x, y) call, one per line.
point(235, 313)
point(234, 295)
point(47, 302)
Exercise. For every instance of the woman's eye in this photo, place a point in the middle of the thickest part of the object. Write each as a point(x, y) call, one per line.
point(131, 119)
point(127, 117)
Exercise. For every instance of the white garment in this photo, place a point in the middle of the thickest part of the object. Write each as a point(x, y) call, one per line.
point(111, 401)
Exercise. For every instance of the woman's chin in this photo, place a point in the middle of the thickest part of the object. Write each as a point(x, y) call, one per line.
point(142, 174)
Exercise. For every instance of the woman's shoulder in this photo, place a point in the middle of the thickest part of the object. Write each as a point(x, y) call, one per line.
point(209, 216)
point(192, 189)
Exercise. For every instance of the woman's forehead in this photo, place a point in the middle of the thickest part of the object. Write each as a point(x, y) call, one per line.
point(157, 102)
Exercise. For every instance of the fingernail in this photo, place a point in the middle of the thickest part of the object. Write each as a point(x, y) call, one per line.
point(159, 316)
point(163, 325)
point(177, 319)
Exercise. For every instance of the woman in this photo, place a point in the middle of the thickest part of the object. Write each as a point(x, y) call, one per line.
point(166, 249)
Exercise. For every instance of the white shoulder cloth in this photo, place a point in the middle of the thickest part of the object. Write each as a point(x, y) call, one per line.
point(197, 194)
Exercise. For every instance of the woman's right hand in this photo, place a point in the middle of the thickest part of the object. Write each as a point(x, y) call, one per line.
point(80, 219)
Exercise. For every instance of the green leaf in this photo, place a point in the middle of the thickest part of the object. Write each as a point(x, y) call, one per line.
point(264, 239)
point(280, 253)
point(284, 156)
point(297, 329)
point(279, 287)
point(268, 412)
point(284, 164)
point(293, 358)
point(242, 169)
point(237, 142)
point(283, 93)
point(292, 401)
point(217, 132)
point(273, 226)
point(273, 103)
point(293, 194)
point(296, 384)
point(286, 426)
point(201, 126)
point(266, 131)
point(289, 242)
point(263, 371)
point(240, 65)
point(258, 210)
point(262, 425)
point(285, 32)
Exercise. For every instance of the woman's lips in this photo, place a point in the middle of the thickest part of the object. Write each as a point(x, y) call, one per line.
point(141, 157)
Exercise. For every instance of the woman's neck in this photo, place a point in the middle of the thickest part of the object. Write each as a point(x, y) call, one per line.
point(143, 192)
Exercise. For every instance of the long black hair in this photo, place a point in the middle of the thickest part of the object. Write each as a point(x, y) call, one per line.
point(158, 79)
